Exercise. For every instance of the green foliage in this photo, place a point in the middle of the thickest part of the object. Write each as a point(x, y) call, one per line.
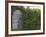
point(31, 18)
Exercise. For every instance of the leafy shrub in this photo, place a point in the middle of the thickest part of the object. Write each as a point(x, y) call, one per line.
point(31, 18)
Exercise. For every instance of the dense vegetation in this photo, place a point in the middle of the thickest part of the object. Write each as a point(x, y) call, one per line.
point(31, 18)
